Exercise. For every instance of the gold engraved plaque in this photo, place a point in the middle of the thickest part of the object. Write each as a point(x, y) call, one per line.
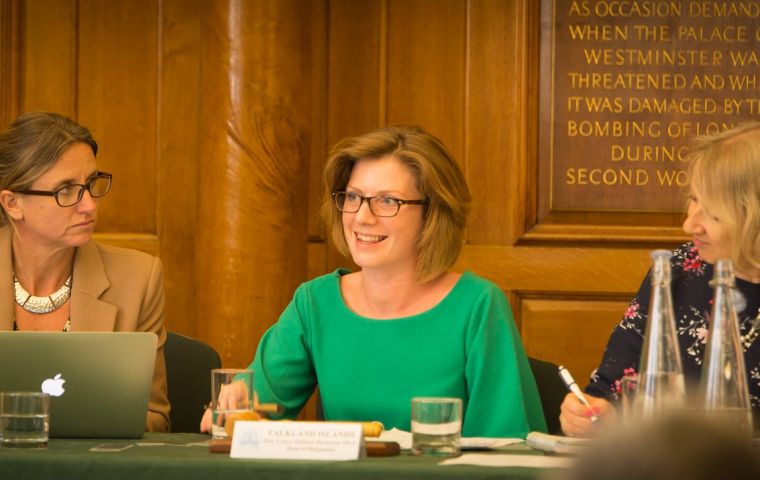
point(625, 86)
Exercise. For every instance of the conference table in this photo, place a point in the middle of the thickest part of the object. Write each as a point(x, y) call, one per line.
point(184, 456)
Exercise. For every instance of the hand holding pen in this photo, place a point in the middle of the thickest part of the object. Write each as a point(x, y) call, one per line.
point(573, 387)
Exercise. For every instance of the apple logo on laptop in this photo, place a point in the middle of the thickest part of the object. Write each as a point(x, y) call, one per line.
point(53, 386)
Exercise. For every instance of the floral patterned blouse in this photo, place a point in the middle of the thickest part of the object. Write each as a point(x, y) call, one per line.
point(692, 301)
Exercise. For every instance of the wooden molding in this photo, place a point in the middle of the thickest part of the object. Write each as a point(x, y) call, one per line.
point(144, 242)
point(648, 235)
point(9, 51)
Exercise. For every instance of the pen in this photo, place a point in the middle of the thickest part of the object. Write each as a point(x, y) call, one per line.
point(573, 387)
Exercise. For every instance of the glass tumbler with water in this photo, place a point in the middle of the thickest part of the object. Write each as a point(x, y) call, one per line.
point(24, 419)
point(231, 393)
point(436, 426)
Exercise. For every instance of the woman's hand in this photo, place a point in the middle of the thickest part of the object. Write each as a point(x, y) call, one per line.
point(575, 417)
point(233, 396)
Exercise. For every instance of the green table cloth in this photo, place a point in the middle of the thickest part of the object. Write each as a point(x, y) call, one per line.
point(179, 457)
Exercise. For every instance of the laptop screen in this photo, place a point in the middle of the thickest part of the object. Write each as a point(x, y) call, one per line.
point(98, 382)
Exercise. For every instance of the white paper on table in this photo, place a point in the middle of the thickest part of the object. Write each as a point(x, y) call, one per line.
point(404, 439)
point(491, 460)
point(486, 442)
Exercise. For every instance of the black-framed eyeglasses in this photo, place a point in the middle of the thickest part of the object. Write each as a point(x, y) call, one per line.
point(380, 205)
point(71, 194)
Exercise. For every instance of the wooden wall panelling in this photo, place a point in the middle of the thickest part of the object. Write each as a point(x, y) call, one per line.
point(252, 234)
point(178, 156)
point(657, 230)
point(604, 271)
point(569, 331)
point(145, 242)
point(603, 278)
point(49, 57)
point(357, 37)
point(318, 130)
point(316, 258)
point(426, 68)
point(498, 123)
point(9, 51)
point(355, 65)
point(118, 81)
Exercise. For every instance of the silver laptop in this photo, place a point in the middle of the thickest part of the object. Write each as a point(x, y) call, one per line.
point(99, 383)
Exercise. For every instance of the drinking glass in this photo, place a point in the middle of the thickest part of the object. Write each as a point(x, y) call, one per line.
point(24, 419)
point(436, 426)
point(231, 393)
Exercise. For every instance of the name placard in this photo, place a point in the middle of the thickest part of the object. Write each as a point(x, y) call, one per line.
point(297, 440)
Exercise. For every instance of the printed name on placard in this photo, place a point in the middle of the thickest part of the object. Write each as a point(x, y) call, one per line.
point(297, 440)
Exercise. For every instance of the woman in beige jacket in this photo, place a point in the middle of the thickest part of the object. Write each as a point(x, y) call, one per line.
point(60, 279)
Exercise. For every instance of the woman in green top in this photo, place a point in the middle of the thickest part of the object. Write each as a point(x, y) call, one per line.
point(402, 325)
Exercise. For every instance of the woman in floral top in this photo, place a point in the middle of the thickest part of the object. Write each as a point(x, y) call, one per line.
point(724, 221)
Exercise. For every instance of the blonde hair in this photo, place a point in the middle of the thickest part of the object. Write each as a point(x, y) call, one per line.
point(724, 169)
point(439, 180)
point(31, 145)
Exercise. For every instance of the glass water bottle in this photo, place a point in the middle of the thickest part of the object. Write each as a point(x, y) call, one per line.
point(661, 384)
point(723, 387)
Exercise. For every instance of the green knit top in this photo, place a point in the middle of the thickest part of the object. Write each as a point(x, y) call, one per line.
point(467, 346)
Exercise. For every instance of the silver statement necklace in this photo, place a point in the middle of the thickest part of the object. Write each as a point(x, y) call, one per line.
point(46, 304)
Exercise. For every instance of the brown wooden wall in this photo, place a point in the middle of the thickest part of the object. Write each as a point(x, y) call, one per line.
point(215, 117)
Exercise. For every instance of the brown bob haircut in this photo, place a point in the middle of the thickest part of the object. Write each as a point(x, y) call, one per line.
point(439, 180)
point(32, 144)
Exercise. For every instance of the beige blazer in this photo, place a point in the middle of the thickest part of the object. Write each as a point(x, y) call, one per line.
point(113, 290)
